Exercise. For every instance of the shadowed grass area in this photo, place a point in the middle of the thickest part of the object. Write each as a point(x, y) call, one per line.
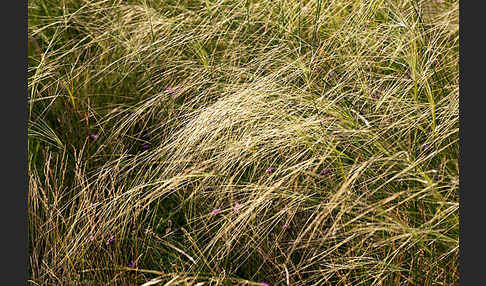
point(242, 142)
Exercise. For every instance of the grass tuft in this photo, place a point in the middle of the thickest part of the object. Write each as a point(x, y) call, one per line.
point(243, 142)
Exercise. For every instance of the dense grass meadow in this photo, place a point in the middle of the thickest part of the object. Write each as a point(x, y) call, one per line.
point(251, 142)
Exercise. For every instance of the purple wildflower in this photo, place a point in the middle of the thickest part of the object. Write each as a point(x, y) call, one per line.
point(285, 227)
point(325, 171)
point(146, 146)
point(216, 211)
point(91, 238)
point(270, 170)
point(131, 264)
point(94, 136)
point(426, 145)
point(169, 90)
point(88, 54)
point(264, 284)
point(237, 207)
point(378, 95)
point(110, 240)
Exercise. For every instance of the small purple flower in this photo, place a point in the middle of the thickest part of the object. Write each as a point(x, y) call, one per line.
point(426, 145)
point(110, 240)
point(237, 207)
point(216, 211)
point(270, 170)
point(146, 146)
point(325, 171)
point(169, 90)
point(378, 95)
point(131, 264)
point(285, 227)
point(264, 284)
point(88, 54)
point(94, 136)
point(91, 238)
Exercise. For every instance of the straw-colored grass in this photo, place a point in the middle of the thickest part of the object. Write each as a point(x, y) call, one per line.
point(194, 101)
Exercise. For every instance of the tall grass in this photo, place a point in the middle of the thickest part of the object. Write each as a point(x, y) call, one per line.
point(354, 104)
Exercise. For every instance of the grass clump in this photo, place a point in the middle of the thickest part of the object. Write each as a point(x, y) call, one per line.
point(243, 142)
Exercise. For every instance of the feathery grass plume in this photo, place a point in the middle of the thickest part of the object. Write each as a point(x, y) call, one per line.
point(225, 92)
